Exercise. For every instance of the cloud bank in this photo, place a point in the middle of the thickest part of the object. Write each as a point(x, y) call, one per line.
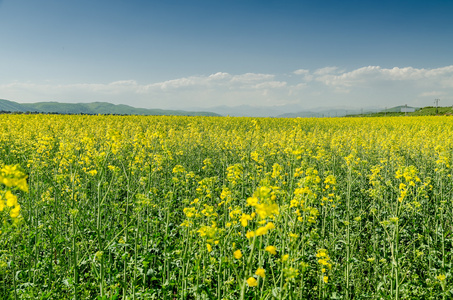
point(328, 86)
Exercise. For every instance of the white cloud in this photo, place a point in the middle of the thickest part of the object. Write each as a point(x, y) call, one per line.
point(179, 83)
point(124, 83)
point(194, 89)
point(370, 85)
point(326, 70)
point(373, 75)
point(270, 85)
point(251, 78)
point(247, 80)
point(306, 74)
point(403, 85)
point(219, 76)
point(432, 94)
point(346, 78)
point(301, 72)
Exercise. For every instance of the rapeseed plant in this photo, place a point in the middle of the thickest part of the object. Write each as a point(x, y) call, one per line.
point(191, 207)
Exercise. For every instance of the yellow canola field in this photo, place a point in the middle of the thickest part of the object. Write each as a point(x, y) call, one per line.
point(226, 208)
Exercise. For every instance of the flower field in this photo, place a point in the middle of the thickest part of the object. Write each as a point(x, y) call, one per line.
point(225, 208)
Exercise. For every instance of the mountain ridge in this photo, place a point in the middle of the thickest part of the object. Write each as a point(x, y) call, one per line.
point(285, 111)
point(93, 108)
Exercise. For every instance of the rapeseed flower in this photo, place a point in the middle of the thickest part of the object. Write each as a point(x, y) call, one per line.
point(252, 282)
point(261, 272)
point(14, 213)
point(11, 199)
point(271, 249)
point(441, 277)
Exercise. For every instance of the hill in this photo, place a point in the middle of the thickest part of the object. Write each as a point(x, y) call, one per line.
point(92, 108)
point(424, 111)
point(285, 111)
point(431, 111)
point(325, 113)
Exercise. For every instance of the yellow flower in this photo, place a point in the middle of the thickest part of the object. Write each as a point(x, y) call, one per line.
point(252, 201)
point(250, 234)
point(261, 231)
point(323, 262)
point(208, 246)
point(237, 254)
point(252, 281)
point(261, 272)
point(270, 226)
point(321, 253)
point(293, 235)
point(441, 277)
point(267, 210)
point(14, 213)
point(271, 249)
point(11, 200)
point(285, 257)
point(325, 279)
point(244, 219)
point(189, 211)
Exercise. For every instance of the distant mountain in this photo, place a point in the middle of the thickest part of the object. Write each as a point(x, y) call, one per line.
point(253, 111)
point(341, 112)
point(282, 111)
point(326, 113)
point(6, 105)
point(400, 108)
point(92, 108)
point(245, 111)
point(287, 111)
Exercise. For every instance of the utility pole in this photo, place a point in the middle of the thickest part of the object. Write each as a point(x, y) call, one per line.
point(405, 111)
point(437, 104)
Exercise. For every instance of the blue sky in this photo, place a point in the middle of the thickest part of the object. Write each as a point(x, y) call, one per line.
point(185, 54)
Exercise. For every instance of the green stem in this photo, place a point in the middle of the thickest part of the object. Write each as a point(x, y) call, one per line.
point(348, 236)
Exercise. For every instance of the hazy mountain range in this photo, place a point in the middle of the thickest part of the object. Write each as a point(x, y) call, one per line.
point(92, 108)
point(284, 111)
